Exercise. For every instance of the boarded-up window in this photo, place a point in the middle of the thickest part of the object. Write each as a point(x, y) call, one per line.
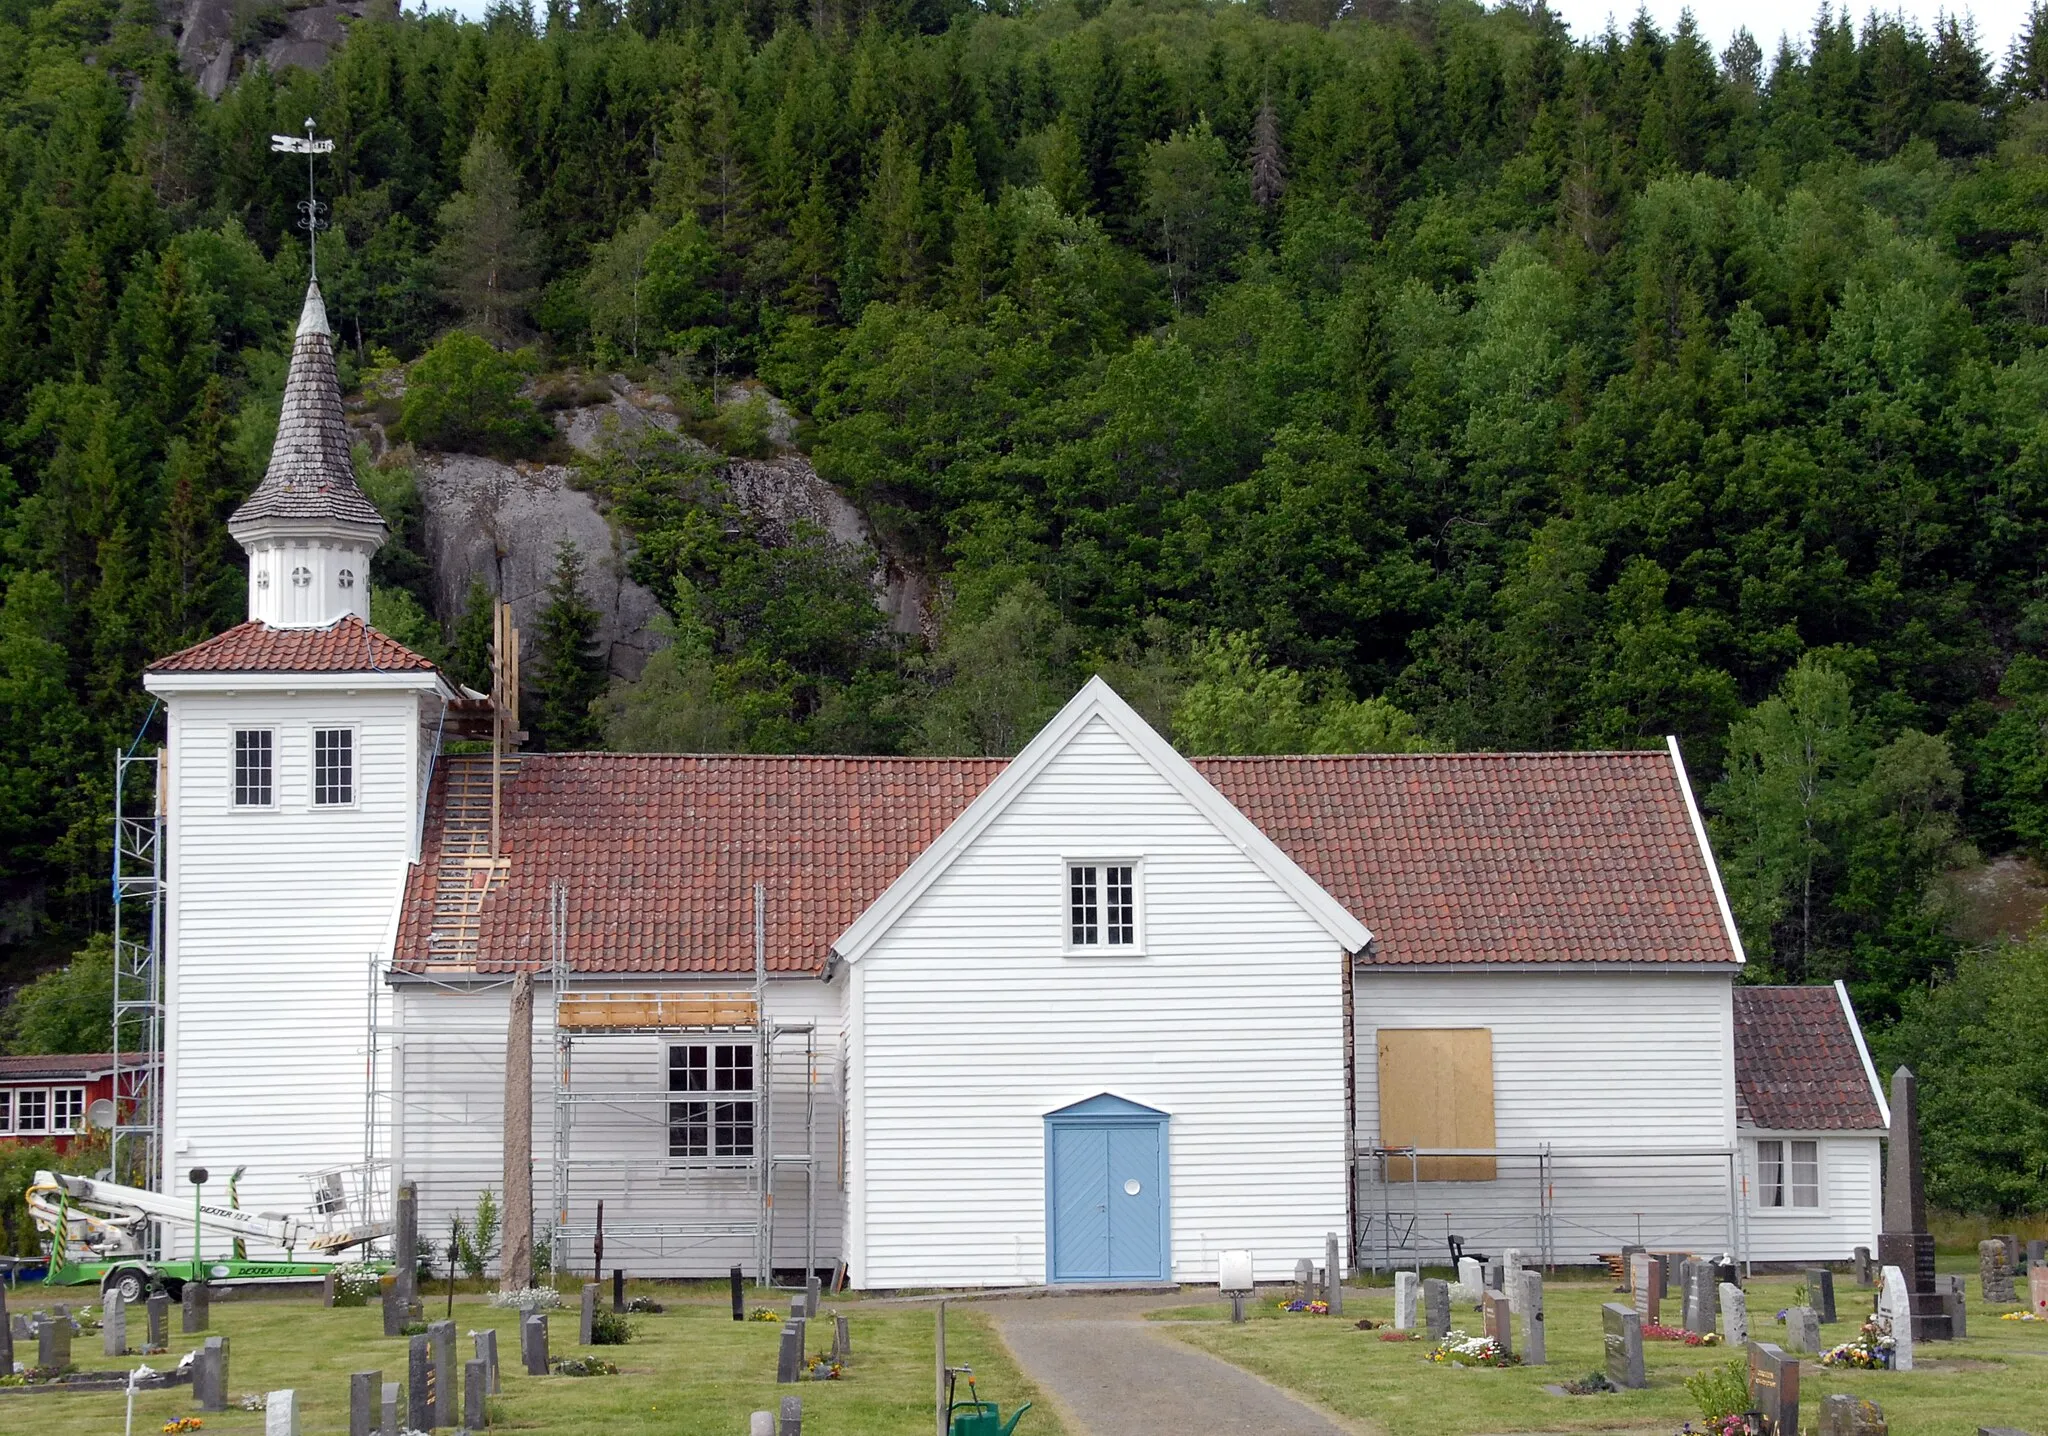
point(1436, 1090)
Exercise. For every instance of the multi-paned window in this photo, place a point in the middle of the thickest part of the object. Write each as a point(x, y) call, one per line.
point(31, 1110)
point(255, 767)
point(1787, 1173)
point(6, 1110)
point(334, 766)
point(1102, 906)
point(67, 1109)
point(711, 1107)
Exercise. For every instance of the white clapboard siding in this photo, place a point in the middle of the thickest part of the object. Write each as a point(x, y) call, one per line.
point(1584, 1061)
point(450, 1066)
point(271, 924)
point(1851, 1197)
point(972, 1023)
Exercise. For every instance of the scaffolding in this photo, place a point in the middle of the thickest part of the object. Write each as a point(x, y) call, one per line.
point(1522, 1206)
point(735, 1191)
point(135, 1140)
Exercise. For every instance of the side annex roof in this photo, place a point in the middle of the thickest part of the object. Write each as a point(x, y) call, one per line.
point(1097, 700)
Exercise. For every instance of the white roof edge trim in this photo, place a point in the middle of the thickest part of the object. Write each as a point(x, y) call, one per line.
point(1699, 832)
point(404, 679)
point(1098, 700)
point(1863, 1051)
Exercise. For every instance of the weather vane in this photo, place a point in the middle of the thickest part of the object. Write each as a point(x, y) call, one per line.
point(310, 209)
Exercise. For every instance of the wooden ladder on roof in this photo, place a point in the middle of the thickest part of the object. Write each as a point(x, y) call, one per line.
point(469, 873)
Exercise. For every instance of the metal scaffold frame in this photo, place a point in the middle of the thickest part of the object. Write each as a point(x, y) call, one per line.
point(745, 1185)
point(135, 1142)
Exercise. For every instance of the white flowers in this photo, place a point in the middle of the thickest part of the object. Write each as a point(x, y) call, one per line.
point(528, 1298)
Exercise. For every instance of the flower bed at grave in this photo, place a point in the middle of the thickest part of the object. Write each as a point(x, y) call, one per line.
point(34, 1375)
point(1307, 1308)
point(1594, 1383)
point(584, 1366)
point(1458, 1349)
point(354, 1284)
point(2018, 1316)
point(1657, 1331)
point(183, 1424)
point(764, 1313)
point(1871, 1350)
point(823, 1368)
point(1400, 1336)
point(529, 1298)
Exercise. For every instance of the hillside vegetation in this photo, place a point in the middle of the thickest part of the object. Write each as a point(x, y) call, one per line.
point(1427, 377)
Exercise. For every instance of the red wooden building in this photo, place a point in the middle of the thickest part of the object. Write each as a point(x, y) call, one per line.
point(49, 1098)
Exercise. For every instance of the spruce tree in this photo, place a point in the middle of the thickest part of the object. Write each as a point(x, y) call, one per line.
point(571, 666)
point(469, 660)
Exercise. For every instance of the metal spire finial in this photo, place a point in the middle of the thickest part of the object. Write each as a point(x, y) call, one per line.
point(310, 208)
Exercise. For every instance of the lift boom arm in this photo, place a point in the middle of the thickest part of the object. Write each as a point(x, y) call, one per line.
point(107, 1218)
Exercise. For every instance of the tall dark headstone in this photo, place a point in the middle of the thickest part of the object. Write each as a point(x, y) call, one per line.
point(114, 1325)
point(441, 1338)
point(1622, 1329)
point(159, 1321)
point(1905, 1241)
point(53, 1342)
point(392, 1298)
point(476, 1388)
point(198, 1308)
point(739, 1296)
point(362, 1402)
point(419, 1385)
point(1774, 1388)
point(789, 1357)
point(6, 1334)
point(618, 1288)
point(1436, 1308)
point(1866, 1267)
point(1950, 1290)
point(211, 1367)
point(586, 1323)
point(533, 1342)
point(487, 1353)
point(390, 1406)
point(405, 1248)
point(792, 1422)
point(1820, 1292)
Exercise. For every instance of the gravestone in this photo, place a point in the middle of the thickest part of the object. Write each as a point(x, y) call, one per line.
point(419, 1385)
point(6, 1335)
point(842, 1341)
point(197, 1311)
point(1646, 1282)
point(2012, 1251)
point(159, 1321)
point(389, 1403)
point(487, 1352)
point(1470, 1279)
point(114, 1325)
point(1333, 1264)
point(1894, 1304)
point(1950, 1290)
point(533, 1343)
point(619, 1289)
point(1405, 1289)
point(330, 1285)
point(761, 1423)
point(1667, 1270)
point(1436, 1308)
point(737, 1287)
point(281, 1414)
point(1696, 1296)
point(2037, 1290)
point(1734, 1316)
point(789, 1358)
point(1866, 1269)
point(53, 1342)
point(1774, 1388)
point(441, 1342)
point(1529, 1314)
point(1304, 1280)
point(362, 1401)
point(2037, 1252)
point(1846, 1415)
point(1802, 1329)
point(1628, 1268)
point(1820, 1293)
point(796, 1307)
point(1500, 1322)
point(210, 1375)
point(813, 1289)
point(1994, 1273)
point(1490, 1278)
point(20, 1328)
point(586, 1323)
point(1622, 1327)
point(792, 1423)
point(1905, 1242)
point(476, 1386)
point(393, 1300)
point(405, 1247)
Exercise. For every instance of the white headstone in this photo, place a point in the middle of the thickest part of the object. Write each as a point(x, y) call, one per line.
point(1471, 1281)
point(1511, 1276)
point(1528, 1313)
point(281, 1414)
point(1895, 1307)
point(1734, 1316)
point(761, 1423)
point(1406, 1285)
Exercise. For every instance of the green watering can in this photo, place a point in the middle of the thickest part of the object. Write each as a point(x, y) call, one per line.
point(984, 1418)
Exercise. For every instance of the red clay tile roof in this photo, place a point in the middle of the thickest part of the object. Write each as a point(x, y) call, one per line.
point(1494, 857)
point(1579, 857)
point(349, 646)
point(1797, 1068)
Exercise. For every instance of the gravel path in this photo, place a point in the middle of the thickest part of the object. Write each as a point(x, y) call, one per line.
point(1113, 1374)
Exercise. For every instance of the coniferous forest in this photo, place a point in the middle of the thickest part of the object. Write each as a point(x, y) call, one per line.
point(1412, 376)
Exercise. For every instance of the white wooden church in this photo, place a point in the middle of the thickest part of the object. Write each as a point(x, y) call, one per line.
point(1094, 1013)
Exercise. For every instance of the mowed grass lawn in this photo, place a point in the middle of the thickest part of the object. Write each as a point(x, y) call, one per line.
point(1998, 1376)
point(691, 1370)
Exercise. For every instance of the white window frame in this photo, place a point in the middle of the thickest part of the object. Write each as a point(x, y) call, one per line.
point(6, 1109)
point(42, 1096)
point(235, 802)
point(1102, 946)
point(355, 766)
point(710, 1098)
point(1785, 1157)
point(67, 1118)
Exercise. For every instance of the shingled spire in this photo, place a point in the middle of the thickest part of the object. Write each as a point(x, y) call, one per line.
point(309, 529)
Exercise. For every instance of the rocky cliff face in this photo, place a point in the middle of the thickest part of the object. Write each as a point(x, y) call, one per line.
point(218, 38)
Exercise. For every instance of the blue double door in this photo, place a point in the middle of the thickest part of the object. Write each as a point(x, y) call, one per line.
point(1106, 1192)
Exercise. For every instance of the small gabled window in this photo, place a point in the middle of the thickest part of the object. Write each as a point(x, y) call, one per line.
point(1102, 905)
point(255, 767)
point(334, 767)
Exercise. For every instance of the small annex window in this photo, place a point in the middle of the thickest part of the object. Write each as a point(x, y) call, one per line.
point(67, 1109)
point(334, 767)
point(31, 1110)
point(255, 767)
point(6, 1109)
point(1787, 1174)
point(711, 1107)
point(1102, 905)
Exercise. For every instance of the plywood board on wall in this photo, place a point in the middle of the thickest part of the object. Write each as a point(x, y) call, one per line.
point(1436, 1090)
